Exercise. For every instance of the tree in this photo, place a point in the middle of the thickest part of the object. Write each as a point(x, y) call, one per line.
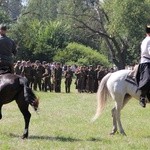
point(4, 18)
point(41, 10)
point(74, 11)
point(40, 40)
point(127, 20)
point(12, 8)
point(96, 17)
point(108, 26)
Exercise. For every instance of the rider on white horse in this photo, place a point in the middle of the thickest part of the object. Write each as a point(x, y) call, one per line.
point(143, 74)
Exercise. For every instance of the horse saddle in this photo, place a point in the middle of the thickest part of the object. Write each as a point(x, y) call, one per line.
point(131, 79)
point(4, 70)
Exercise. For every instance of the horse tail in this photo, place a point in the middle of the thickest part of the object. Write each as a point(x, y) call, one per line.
point(101, 96)
point(29, 95)
point(32, 99)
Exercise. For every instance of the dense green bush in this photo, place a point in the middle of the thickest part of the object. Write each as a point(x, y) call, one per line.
point(81, 55)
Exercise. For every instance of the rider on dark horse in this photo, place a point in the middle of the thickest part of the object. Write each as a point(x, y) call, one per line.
point(7, 50)
point(143, 74)
point(12, 86)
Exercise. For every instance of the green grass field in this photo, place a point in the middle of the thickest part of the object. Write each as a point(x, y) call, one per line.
point(63, 123)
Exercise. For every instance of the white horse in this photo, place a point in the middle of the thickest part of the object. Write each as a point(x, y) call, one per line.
point(115, 85)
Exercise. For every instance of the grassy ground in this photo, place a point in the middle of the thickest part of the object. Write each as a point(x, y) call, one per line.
point(63, 123)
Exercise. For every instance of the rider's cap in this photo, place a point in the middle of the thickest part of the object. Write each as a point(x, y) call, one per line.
point(3, 27)
point(148, 28)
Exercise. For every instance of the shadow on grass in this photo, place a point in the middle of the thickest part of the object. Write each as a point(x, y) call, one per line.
point(147, 137)
point(57, 138)
point(94, 139)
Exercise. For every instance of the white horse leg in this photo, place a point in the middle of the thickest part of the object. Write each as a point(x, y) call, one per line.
point(114, 130)
point(120, 102)
point(117, 112)
point(119, 121)
point(119, 108)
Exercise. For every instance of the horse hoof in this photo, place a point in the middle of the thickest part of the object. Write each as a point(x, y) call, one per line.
point(112, 133)
point(123, 134)
point(24, 137)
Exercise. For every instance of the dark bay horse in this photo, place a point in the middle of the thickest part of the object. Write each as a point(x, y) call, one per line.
point(14, 87)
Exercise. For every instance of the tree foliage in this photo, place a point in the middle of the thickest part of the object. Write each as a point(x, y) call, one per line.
point(12, 8)
point(42, 10)
point(4, 18)
point(41, 38)
point(114, 22)
point(127, 19)
point(113, 28)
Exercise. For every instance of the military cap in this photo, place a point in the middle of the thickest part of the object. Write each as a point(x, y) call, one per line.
point(37, 61)
point(44, 62)
point(18, 61)
point(58, 63)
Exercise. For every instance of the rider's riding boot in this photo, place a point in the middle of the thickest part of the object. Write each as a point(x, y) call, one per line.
point(148, 97)
point(142, 98)
point(142, 102)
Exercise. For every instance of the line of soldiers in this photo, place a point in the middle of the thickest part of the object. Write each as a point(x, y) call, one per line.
point(88, 78)
point(45, 76)
point(39, 75)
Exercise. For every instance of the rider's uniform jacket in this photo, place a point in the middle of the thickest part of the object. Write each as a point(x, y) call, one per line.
point(145, 50)
point(7, 48)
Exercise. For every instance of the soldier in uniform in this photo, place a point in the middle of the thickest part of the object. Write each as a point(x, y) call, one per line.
point(27, 72)
point(100, 74)
point(47, 78)
point(90, 79)
point(81, 79)
point(39, 71)
point(57, 78)
point(17, 67)
point(7, 49)
point(68, 78)
point(96, 79)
